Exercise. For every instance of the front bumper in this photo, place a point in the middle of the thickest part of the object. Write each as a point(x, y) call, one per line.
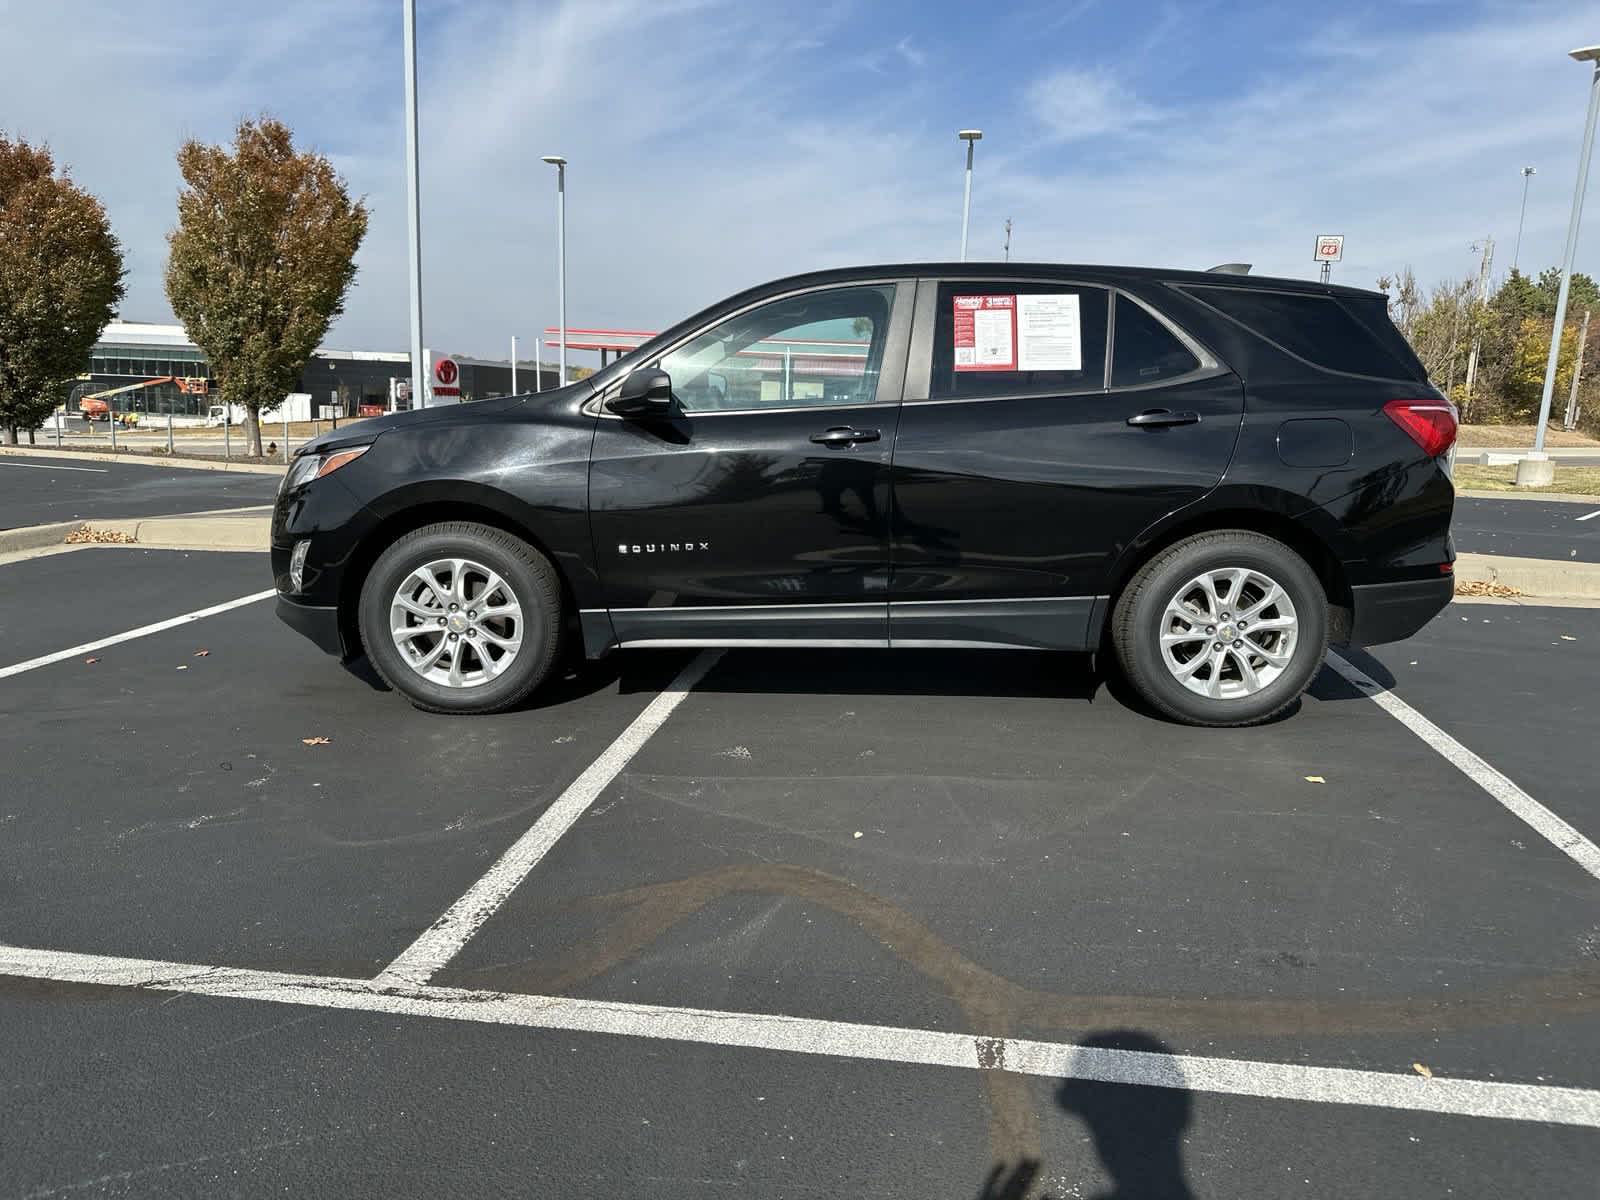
point(1392, 612)
point(320, 624)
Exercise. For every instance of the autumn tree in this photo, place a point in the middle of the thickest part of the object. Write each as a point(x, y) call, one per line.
point(60, 281)
point(261, 260)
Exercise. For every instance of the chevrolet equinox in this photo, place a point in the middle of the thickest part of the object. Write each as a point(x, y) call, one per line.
point(1208, 477)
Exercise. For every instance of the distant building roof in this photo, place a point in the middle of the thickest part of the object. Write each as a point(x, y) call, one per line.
point(147, 333)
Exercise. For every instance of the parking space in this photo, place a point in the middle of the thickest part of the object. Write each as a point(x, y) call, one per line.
point(182, 788)
point(845, 838)
point(1527, 528)
point(976, 854)
point(40, 490)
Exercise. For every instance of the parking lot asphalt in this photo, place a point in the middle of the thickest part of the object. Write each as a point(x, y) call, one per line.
point(1527, 528)
point(37, 490)
point(978, 844)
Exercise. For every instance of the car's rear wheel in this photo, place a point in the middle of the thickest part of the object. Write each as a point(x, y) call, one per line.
point(461, 618)
point(1224, 628)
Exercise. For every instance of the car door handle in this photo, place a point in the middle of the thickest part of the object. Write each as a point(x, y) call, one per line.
point(844, 435)
point(1159, 418)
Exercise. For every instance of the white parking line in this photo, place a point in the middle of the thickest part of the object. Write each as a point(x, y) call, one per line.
point(1589, 516)
point(54, 467)
point(421, 960)
point(836, 1039)
point(1543, 822)
point(44, 660)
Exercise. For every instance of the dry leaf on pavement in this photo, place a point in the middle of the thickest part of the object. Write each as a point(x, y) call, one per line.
point(317, 741)
point(1422, 1069)
point(1315, 779)
point(201, 653)
point(91, 661)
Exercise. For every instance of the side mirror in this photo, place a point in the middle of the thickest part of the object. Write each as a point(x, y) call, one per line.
point(646, 392)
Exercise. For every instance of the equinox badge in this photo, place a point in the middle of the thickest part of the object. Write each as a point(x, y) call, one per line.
point(664, 548)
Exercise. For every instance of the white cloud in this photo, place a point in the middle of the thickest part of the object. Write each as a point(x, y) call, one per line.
point(1076, 105)
point(715, 144)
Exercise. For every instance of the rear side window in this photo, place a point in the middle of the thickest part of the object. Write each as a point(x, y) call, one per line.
point(1017, 339)
point(1317, 328)
point(1145, 351)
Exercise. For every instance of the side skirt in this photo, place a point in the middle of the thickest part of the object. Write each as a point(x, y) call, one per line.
point(1030, 623)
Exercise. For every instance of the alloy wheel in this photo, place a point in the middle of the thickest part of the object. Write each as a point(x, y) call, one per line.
point(456, 623)
point(1229, 632)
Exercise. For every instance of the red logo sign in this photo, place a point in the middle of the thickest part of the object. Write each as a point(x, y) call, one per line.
point(445, 371)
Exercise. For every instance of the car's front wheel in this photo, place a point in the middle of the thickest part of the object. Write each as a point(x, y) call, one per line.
point(461, 617)
point(1224, 628)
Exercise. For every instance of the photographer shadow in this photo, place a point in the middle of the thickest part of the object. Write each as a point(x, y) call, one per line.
point(1137, 1127)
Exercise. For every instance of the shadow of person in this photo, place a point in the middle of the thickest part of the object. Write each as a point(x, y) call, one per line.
point(1137, 1128)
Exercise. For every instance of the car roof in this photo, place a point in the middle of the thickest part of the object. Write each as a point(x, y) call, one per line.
point(1086, 271)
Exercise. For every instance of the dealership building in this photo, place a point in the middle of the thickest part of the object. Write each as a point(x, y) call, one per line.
point(162, 371)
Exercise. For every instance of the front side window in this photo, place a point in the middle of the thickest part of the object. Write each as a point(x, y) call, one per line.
point(819, 349)
point(1144, 351)
point(1017, 339)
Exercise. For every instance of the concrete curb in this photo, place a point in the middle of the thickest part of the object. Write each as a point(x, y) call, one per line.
point(32, 537)
point(1534, 577)
point(143, 460)
point(248, 530)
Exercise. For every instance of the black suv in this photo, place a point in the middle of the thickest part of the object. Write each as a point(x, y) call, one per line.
point(1209, 475)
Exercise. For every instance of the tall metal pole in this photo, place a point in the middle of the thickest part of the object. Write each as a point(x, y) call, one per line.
point(966, 198)
point(1516, 253)
point(413, 204)
point(560, 164)
point(1479, 295)
point(538, 364)
point(513, 364)
point(561, 263)
point(1566, 258)
point(1008, 239)
point(1571, 419)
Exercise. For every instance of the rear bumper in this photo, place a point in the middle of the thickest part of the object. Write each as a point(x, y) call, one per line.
point(1392, 612)
point(319, 624)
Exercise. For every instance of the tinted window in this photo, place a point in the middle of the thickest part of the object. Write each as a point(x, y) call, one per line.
point(1007, 339)
point(1144, 350)
point(1317, 328)
point(819, 349)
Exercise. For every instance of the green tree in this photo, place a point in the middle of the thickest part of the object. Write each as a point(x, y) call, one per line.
point(1581, 295)
point(1524, 379)
point(261, 260)
point(60, 280)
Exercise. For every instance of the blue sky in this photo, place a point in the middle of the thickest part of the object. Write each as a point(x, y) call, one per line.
point(718, 143)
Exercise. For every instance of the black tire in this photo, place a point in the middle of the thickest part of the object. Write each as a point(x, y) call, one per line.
point(528, 575)
point(1138, 620)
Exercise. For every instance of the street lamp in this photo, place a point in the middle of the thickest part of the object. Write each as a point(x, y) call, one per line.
point(1536, 470)
point(969, 136)
point(560, 164)
point(1527, 173)
point(413, 206)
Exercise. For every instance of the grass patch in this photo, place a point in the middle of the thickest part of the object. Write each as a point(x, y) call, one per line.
point(1518, 437)
point(1579, 481)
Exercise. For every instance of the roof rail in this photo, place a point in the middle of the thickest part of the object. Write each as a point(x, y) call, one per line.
point(1229, 269)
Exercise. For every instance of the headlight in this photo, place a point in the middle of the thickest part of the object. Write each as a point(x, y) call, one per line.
point(314, 466)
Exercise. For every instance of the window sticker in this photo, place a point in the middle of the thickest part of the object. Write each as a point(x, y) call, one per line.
point(1049, 333)
point(986, 333)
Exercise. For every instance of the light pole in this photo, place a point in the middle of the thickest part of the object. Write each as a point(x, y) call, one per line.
point(1527, 174)
point(413, 205)
point(1536, 470)
point(969, 136)
point(513, 364)
point(560, 164)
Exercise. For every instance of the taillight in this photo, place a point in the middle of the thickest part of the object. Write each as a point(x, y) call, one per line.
point(1431, 423)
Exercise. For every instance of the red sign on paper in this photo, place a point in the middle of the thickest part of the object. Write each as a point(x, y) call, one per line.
point(985, 333)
